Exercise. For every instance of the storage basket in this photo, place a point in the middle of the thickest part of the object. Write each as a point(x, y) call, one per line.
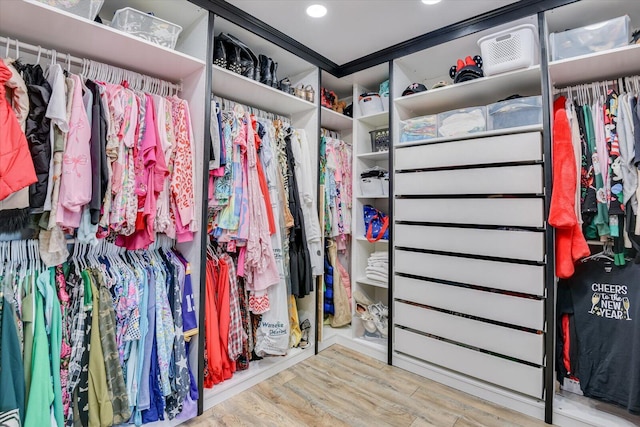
point(86, 8)
point(385, 102)
point(147, 27)
point(509, 50)
point(370, 103)
point(371, 186)
point(379, 140)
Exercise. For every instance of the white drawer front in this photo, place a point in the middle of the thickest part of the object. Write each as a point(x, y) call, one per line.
point(509, 309)
point(522, 345)
point(525, 245)
point(497, 149)
point(492, 274)
point(502, 372)
point(494, 180)
point(514, 212)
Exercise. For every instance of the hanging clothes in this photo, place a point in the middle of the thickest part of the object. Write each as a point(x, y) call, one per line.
point(37, 131)
point(100, 324)
point(257, 213)
point(16, 169)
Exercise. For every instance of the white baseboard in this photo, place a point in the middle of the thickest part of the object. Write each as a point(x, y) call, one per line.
point(499, 396)
point(258, 371)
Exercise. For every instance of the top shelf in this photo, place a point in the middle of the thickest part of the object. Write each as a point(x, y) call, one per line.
point(376, 120)
point(614, 63)
point(333, 120)
point(241, 89)
point(482, 91)
point(33, 22)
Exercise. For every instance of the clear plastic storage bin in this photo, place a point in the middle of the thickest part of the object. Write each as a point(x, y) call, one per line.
point(515, 113)
point(462, 122)
point(509, 50)
point(419, 128)
point(147, 27)
point(591, 39)
point(86, 8)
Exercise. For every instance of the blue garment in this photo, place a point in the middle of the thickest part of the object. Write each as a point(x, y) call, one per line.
point(223, 153)
point(156, 410)
point(144, 400)
point(142, 360)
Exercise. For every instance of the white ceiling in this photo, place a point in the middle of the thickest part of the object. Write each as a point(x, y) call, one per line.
point(355, 28)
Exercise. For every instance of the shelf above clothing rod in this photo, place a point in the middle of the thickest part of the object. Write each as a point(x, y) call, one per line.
point(54, 56)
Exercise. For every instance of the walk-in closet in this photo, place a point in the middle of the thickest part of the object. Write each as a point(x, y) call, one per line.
point(274, 212)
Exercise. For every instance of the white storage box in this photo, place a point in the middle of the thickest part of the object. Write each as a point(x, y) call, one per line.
point(370, 103)
point(419, 128)
point(462, 122)
point(515, 113)
point(385, 102)
point(371, 186)
point(591, 39)
point(86, 8)
point(385, 186)
point(509, 50)
point(146, 27)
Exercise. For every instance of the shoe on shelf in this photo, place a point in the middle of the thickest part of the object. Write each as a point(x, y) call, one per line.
point(380, 320)
point(362, 298)
point(305, 327)
point(380, 308)
point(371, 335)
point(362, 312)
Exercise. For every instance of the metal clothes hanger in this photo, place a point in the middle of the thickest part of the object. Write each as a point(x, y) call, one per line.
point(606, 253)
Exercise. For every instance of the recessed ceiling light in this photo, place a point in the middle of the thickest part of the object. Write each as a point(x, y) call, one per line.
point(317, 10)
point(431, 2)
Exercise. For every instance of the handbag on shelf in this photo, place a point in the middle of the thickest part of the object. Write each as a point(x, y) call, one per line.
point(376, 223)
point(240, 59)
point(328, 98)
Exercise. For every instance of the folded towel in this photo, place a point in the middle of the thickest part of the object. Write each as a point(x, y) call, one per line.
point(377, 278)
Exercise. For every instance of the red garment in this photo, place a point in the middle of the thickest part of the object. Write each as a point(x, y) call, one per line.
point(211, 329)
point(224, 318)
point(566, 344)
point(570, 242)
point(264, 188)
point(16, 166)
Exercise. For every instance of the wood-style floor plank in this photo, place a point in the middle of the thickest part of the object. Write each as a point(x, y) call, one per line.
point(340, 387)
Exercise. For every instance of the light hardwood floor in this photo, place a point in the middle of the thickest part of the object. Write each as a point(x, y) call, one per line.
point(340, 387)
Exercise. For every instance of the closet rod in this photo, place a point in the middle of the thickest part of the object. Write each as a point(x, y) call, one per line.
point(330, 133)
point(227, 105)
point(592, 85)
point(8, 42)
point(81, 62)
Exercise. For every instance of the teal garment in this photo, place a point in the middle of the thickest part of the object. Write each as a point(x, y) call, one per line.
point(12, 389)
point(601, 221)
point(40, 399)
point(55, 343)
point(28, 314)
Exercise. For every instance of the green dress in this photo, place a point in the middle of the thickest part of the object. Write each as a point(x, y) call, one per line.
point(41, 395)
point(11, 371)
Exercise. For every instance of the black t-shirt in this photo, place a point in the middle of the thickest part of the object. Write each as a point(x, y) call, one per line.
point(606, 307)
